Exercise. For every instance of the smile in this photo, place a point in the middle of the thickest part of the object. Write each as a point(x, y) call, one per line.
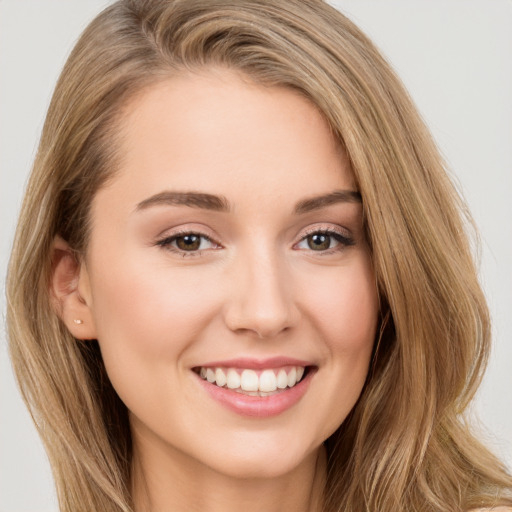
point(253, 382)
point(254, 388)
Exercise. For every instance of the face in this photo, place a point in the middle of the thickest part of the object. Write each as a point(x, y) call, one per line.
point(228, 278)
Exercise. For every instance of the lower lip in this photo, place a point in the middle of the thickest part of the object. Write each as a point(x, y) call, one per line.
point(258, 406)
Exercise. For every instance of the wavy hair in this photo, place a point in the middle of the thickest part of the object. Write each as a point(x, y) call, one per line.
point(405, 445)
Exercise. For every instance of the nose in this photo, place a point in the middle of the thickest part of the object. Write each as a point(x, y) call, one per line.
point(261, 299)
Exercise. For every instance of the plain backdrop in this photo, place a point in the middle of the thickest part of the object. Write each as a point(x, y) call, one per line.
point(454, 56)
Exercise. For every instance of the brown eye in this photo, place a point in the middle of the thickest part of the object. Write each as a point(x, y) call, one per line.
point(325, 241)
point(188, 242)
point(319, 241)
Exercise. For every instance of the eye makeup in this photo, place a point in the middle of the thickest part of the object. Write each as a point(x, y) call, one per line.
point(193, 243)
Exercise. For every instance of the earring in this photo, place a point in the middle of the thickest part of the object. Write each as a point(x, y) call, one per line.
point(78, 321)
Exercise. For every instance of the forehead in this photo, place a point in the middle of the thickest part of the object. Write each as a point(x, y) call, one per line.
point(220, 133)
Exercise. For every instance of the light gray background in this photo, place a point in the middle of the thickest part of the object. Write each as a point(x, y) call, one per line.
point(456, 59)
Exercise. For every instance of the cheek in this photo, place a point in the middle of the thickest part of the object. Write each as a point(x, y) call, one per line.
point(348, 326)
point(345, 316)
point(345, 309)
point(146, 315)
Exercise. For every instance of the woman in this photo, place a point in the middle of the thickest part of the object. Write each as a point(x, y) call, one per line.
point(254, 286)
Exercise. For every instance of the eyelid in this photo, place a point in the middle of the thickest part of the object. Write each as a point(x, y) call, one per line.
point(324, 228)
point(186, 228)
point(165, 241)
point(342, 235)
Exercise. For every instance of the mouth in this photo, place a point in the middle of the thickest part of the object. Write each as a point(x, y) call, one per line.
point(257, 389)
point(254, 382)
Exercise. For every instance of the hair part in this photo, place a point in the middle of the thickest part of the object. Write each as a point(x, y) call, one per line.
point(405, 445)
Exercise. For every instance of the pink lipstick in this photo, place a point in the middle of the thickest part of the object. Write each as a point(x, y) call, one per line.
point(254, 387)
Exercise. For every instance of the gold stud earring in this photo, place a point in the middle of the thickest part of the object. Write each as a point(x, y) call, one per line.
point(78, 321)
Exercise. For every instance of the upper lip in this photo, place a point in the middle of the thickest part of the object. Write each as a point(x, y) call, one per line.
point(257, 364)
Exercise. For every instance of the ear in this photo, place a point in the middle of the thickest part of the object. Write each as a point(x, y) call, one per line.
point(70, 291)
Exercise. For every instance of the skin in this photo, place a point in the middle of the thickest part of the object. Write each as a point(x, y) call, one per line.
point(257, 289)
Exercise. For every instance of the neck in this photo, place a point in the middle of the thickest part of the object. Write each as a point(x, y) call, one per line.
point(170, 482)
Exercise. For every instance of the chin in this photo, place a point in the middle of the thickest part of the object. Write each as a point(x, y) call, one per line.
point(261, 458)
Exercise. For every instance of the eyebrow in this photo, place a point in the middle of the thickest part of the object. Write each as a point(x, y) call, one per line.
point(317, 202)
point(217, 203)
point(193, 199)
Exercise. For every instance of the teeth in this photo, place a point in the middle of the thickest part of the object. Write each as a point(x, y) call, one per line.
point(233, 379)
point(292, 378)
point(268, 381)
point(249, 382)
point(282, 379)
point(220, 377)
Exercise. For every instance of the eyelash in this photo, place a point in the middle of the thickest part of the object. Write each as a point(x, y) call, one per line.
point(342, 239)
point(166, 243)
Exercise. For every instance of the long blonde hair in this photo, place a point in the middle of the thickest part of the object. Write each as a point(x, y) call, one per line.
point(405, 445)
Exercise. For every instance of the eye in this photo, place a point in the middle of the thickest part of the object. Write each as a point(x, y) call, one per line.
point(189, 242)
point(323, 240)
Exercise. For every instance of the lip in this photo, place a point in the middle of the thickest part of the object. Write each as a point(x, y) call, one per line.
point(257, 364)
point(258, 406)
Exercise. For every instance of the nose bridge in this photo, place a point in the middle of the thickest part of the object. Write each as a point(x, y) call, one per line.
point(261, 298)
